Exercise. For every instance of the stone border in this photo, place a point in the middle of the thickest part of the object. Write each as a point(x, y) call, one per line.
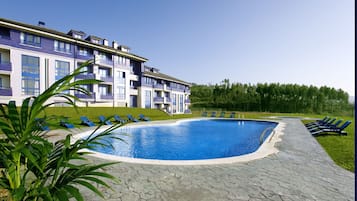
point(266, 149)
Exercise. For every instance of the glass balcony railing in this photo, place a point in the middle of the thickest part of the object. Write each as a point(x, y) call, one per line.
point(158, 99)
point(85, 96)
point(106, 96)
point(6, 66)
point(5, 91)
point(107, 79)
point(85, 76)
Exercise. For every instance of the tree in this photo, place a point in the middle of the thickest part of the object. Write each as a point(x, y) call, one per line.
point(32, 167)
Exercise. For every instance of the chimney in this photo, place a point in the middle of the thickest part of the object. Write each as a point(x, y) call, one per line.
point(105, 42)
point(115, 44)
point(41, 24)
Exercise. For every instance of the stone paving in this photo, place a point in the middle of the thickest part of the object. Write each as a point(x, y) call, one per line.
point(301, 170)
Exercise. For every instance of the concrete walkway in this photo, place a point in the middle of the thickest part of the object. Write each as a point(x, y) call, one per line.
point(301, 170)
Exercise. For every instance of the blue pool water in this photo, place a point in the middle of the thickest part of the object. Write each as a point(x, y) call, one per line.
point(189, 140)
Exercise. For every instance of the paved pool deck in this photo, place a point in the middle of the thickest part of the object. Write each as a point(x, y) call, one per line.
point(301, 170)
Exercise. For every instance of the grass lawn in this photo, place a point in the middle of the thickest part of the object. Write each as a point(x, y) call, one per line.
point(340, 148)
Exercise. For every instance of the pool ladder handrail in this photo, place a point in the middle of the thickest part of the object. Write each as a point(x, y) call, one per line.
point(261, 139)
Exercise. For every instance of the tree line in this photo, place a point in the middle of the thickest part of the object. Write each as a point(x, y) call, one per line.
point(273, 97)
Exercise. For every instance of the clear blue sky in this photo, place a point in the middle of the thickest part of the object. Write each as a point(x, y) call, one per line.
point(307, 42)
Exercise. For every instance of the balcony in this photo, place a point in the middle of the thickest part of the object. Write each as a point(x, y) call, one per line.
point(187, 101)
point(158, 86)
point(158, 99)
point(85, 96)
point(84, 57)
point(167, 100)
point(85, 76)
point(106, 62)
point(106, 97)
point(107, 79)
point(5, 91)
point(167, 88)
point(5, 66)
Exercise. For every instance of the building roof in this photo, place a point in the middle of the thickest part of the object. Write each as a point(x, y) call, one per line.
point(40, 30)
point(164, 77)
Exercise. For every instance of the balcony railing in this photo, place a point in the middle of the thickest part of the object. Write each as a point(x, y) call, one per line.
point(6, 66)
point(159, 99)
point(105, 61)
point(85, 96)
point(167, 99)
point(187, 101)
point(85, 76)
point(84, 57)
point(107, 96)
point(5, 91)
point(107, 79)
point(159, 86)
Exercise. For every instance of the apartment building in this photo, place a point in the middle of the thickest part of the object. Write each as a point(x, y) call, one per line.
point(161, 91)
point(32, 57)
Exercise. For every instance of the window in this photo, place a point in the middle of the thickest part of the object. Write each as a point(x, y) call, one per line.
point(121, 93)
point(123, 61)
point(60, 46)
point(62, 69)
point(4, 33)
point(147, 99)
point(77, 36)
point(30, 39)
point(0, 83)
point(121, 77)
point(104, 72)
point(30, 75)
point(103, 90)
point(83, 51)
point(181, 103)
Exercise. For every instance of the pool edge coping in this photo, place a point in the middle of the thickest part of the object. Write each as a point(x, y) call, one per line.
point(267, 148)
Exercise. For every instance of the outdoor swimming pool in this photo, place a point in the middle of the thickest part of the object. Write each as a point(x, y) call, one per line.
point(189, 139)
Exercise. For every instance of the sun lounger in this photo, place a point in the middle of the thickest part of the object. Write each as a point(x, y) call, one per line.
point(325, 119)
point(86, 121)
point(326, 126)
point(338, 130)
point(66, 124)
point(323, 123)
point(131, 118)
point(204, 114)
point(213, 114)
point(103, 120)
point(118, 119)
point(41, 124)
point(143, 118)
point(232, 115)
point(222, 114)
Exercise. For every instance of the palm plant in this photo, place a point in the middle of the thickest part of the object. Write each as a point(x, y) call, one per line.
point(32, 167)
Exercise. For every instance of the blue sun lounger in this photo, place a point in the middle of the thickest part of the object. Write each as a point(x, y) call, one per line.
point(86, 121)
point(41, 124)
point(222, 114)
point(143, 118)
point(213, 114)
point(324, 120)
point(324, 123)
point(66, 124)
point(338, 130)
point(103, 120)
point(232, 115)
point(131, 118)
point(118, 119)
point(338, 122)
